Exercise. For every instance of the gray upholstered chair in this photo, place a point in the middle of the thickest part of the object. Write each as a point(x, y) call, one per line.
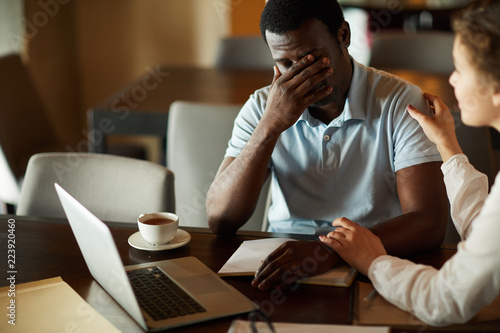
point(198, 135)
point(114, 188)
point(424, 51)
point(244, 52)
point(10, 189)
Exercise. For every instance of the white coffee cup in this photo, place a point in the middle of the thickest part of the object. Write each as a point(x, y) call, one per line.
point(158, 228)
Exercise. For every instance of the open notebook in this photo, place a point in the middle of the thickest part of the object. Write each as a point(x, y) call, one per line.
point(247, 259)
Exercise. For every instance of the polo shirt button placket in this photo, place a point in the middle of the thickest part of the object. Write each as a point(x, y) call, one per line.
point(326, 138)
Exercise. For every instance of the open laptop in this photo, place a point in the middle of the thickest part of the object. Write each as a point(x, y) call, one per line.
point(213, 298)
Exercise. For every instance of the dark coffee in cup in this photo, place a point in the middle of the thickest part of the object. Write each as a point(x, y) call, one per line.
point(158, 221)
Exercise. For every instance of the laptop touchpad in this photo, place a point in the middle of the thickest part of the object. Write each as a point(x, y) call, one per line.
point(202, 284)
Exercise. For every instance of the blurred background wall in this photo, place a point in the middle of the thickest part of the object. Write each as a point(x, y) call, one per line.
point(79, 52)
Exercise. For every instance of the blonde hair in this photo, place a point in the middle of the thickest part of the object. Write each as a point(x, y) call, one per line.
point(478, 26)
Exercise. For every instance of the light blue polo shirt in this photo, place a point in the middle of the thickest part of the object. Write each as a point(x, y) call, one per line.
point(346, 168)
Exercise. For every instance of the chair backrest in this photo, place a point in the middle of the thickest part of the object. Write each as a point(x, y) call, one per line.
point(10, 189)
point(114, 188)
point(243, 52)
point(197, 139)
point(425, 51)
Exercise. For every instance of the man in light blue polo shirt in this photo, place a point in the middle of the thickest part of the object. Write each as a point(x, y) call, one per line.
point(336, 140)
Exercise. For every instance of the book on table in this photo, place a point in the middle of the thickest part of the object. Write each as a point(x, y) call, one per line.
point(247, 259)
point(47, 306)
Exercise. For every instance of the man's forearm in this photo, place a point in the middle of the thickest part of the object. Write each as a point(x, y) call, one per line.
point(235, 191)
point(411, 233)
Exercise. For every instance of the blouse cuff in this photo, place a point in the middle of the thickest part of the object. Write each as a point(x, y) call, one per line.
point(373, 267)
point(453, 162)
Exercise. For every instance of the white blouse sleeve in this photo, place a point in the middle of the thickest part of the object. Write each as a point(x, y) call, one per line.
point(466, 282)
point(467, 189)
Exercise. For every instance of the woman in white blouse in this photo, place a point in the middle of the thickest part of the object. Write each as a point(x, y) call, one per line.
point(471, 278)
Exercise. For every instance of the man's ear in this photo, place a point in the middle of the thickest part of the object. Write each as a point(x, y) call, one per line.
point(344, 35)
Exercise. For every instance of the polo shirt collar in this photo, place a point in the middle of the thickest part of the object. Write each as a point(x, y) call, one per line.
point(355, 105)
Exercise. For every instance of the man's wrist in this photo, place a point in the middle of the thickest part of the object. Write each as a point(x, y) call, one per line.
point(266, 133)
point(333, 258)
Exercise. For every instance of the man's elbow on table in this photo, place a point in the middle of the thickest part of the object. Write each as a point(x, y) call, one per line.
point(220, 228)
point(226, 216)
point(220, 223)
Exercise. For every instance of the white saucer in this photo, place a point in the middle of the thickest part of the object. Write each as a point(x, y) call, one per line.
point(181, 238)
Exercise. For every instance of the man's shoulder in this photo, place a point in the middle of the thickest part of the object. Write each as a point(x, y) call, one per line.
point(385, 84)
point(387, 78)
point(383, 93)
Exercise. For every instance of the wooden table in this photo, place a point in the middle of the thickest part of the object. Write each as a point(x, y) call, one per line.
point(46, 248)
point(142, 107)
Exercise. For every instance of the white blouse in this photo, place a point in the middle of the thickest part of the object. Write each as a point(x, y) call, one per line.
point(471, 278)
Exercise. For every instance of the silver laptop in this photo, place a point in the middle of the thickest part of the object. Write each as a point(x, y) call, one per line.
point(189, 277)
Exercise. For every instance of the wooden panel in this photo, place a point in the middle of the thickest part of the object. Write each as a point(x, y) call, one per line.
point(245, 16)
point(51, 58)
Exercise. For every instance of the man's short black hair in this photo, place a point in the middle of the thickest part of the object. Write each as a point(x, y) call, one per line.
point(282, 16)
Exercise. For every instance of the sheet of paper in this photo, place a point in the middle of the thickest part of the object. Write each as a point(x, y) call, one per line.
point(49, 305)
point(242, 326)
point(249, 256)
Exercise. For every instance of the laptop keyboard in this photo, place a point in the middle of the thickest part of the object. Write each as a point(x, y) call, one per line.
point(159, 296)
